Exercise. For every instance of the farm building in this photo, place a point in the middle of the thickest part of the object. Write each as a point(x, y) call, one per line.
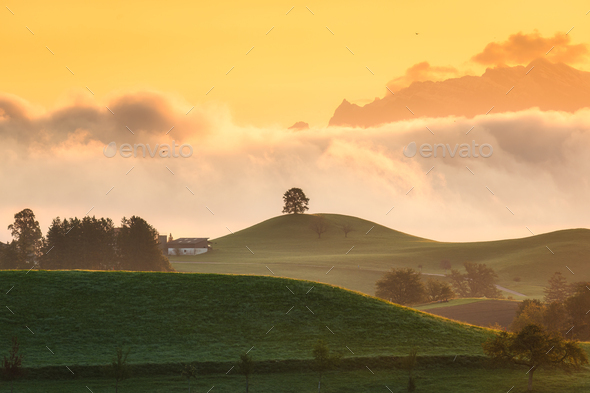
point(188, 246)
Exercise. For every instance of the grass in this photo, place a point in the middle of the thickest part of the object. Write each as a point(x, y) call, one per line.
point(294, 249)
point(83, 316)
point(173, 318)
point(490, 312)
point(435, 379)
point(450, 303)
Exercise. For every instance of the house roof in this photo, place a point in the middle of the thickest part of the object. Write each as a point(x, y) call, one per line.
point(187, 242)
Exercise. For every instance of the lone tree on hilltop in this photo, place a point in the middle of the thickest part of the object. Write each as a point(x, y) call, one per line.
point(535, 348)
point(319, 226)
point(295, 201)
point(402, 286)
point(12, 365)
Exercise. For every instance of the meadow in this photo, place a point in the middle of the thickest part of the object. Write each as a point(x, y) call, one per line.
point(78, 318)
point(428, 380)
point(288, 246)
point(82, 316)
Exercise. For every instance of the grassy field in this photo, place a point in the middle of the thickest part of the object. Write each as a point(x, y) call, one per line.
point(450, 303)
point(172, 317)
point(436, 379)
point(288, 245)
point(481, 313)
point(77, 318)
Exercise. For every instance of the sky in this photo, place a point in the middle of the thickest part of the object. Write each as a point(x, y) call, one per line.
point(245, 72)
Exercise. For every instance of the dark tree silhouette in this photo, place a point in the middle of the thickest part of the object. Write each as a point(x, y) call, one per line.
point(558, 289)
point(28, 237)
point(138, 247)
point(189, 372)
point(347, 228)
point(9, 258)
point(445, 265)
point(402, 286)
point(409, 363)
point(323, 360)
point(12, 365)
point(246, 368)
point(577, 307)
point(295, 201)
point(478, 281)
point(319, 225)
point(438, 290)
point(535, 348)
point(80, 244)
point(119, 369)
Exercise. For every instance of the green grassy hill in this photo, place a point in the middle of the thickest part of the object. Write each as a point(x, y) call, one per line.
point(288, 246)
point(83, 316)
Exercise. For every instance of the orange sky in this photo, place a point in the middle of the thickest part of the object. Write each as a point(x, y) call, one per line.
point(299, 71)
point(153, 61)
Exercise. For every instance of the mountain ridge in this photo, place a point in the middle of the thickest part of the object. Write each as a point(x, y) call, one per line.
point(542, 84)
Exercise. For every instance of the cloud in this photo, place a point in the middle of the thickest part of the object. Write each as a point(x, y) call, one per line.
point(142, 114)
point(240, 173)
point(522, 48)
point(420, 72)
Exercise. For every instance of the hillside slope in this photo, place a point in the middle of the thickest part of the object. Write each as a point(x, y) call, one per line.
point(169, 317)
point(287, 243)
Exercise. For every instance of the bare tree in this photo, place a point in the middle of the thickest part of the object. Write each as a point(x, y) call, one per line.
point(319, 226)
point(409, 364)
point(119, 368)
point(246, 368)
point(189, 371)
point(12, 365)
point(347, 228)
point(323, 359)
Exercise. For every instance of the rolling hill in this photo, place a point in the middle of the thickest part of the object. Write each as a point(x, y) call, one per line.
point(286, 246)
point(78, 318)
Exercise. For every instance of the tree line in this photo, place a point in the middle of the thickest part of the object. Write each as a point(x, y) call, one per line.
point(564, 309)
point(405, 285)
point(88, 243)
point(545, 334)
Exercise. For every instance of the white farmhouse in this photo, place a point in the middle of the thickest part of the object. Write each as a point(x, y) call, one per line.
point(188, 246)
